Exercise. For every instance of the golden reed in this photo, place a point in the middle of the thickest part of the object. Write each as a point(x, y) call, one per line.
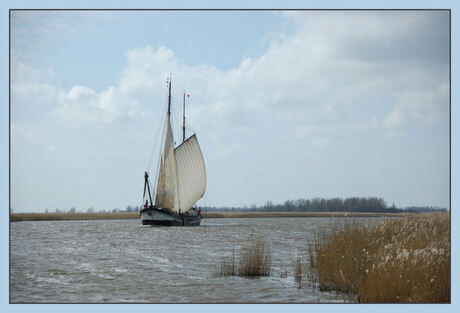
point(254, 260)
point(19, 217)
point(397, 261)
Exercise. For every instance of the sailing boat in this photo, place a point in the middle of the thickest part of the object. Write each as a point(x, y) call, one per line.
point(181, 180)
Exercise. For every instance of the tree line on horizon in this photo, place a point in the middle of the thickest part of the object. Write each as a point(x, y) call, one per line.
point(352, 204)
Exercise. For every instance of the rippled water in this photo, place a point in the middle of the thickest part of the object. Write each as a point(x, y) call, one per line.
point(122, 261)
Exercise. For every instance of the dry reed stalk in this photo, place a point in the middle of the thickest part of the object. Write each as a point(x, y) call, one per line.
point(227, 266)
point(311, 272)
point(400, 260)
point(254, 260)
point(298, 272)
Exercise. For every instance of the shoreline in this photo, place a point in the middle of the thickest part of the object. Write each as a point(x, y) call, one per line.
point(22, 217)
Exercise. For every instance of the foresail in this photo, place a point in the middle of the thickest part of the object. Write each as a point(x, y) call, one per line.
point(191, 173)
point(166, 193)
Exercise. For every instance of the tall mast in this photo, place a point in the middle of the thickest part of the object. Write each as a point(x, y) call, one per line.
point(169, 97)
point(146, 184)
point(183, 122)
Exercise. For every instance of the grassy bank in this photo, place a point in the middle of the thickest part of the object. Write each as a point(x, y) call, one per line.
point(19, 217)
point(397, 261)
point(296, 214)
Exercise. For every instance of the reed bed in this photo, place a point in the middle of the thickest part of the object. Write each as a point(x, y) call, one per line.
point(254, 260)
point(397, 261)
point(19, 217)
point(228, 266)
point(296, 214)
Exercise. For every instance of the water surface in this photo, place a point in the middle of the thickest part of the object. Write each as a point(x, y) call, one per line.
point(114, 261)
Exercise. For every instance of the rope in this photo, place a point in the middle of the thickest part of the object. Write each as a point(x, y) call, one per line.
point(176, 125)
point(157, 135)
point(153, 149)
point(205, 209)
point(156, 174)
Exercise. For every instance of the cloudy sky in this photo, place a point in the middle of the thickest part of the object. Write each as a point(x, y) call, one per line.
point(286, 105)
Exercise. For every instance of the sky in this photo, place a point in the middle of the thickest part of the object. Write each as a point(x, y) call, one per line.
point(285, 104)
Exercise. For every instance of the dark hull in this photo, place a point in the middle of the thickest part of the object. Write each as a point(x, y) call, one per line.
point(158, 217)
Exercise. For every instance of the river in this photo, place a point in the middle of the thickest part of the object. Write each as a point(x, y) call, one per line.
point(118, 261)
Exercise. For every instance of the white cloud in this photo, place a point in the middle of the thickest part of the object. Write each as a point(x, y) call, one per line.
point(146, 69)
point(330, 72)
point(79, 93)
point(35, 30)
point(419, 106)
point(394, 120)
point(30, 83)
point(81, 105)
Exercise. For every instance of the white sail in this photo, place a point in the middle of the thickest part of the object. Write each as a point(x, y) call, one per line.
point(191, 173)
point(166, 194)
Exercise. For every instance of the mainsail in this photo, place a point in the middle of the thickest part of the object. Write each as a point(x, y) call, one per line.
point(191, 173)
point(166, 195)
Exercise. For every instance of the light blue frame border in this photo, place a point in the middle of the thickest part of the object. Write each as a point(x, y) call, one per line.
point(270, 4)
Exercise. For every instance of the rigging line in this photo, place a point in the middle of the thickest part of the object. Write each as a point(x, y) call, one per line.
point(163, 122)
point(156, 180)
point(157, 135)
point(205, 209)
point(175, 123)
point(153, 191)
point(159, 156)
